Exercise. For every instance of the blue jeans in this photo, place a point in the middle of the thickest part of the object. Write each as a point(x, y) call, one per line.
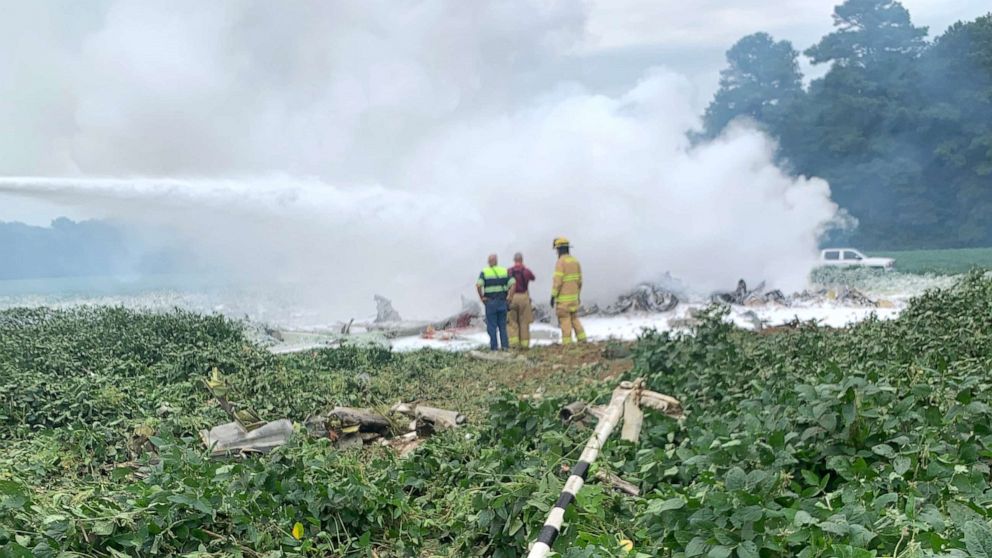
point(496, 322)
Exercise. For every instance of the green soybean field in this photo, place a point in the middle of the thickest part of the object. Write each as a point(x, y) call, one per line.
point(868, 441)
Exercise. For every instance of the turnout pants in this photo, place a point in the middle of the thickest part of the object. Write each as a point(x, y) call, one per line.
point(568, 320)
point(520, 318)
point(496, 323)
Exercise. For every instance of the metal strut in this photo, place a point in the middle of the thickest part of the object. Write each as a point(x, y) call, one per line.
point(627, 398)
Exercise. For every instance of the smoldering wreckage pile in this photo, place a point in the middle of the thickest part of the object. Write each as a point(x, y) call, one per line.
point(406, 425)
point(645, 298)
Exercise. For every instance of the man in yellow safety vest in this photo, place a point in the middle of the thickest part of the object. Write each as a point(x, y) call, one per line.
point(493, 285)
point(565, 289)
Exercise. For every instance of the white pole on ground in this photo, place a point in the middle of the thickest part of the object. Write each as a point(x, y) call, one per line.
point(552, 526)
point(625, 404)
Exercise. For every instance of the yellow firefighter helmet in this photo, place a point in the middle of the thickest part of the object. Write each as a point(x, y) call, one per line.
point(560, 242)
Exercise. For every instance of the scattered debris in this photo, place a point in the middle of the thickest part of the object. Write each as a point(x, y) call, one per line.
point(572, 411)
point(384, 311)
point(545, 335)
point(246, 418)
point(231, 438)
point(588, 310)
point(756, 322)
point(463, 319)
point(842, 294)
point(736, 296)
point(850, 296)
point(633, 418)
point(438, 417)
point(775, 296)
point(544, 314)
point(247, 432)
point(742, 296)
point(618, 483)
point(405, 444)
point(428, 420)
point(273, 333)
point(351, 427)
point(355, 420)
point(346, 427)
point(689, 321)
point(645, 297)
point(618, 409)
point(428, 332)
point(579, 411)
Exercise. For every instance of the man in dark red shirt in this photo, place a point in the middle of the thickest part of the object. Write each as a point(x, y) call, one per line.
point(521, 313)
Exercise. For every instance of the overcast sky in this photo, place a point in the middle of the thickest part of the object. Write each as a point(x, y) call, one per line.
point(622, 38)
point(628, 33)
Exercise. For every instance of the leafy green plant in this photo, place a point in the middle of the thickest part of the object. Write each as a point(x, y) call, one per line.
point(873, 440)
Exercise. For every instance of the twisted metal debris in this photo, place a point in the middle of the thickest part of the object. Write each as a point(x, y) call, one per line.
point(625, 403)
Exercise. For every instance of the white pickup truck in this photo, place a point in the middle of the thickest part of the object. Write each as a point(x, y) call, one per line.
point(849, 257)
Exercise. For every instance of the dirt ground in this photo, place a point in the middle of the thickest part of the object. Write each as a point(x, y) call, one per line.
point(541, 371)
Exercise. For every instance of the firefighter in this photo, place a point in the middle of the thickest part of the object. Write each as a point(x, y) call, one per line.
point(521, 313)
point(565, 290)
point(493, 285)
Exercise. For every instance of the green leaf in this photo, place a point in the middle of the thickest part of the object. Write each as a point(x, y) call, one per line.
point(11, 488)
point(884, 450)
point(934, 518)
point(365, 540)
point(834, 527)
point(14, 550)
point(803, 518)
point(810, 478)
point(747, 549)
point(886, 500)
point(719, 551)
point(848, 551)
point(696, 547)
point(962, 514)
point(103, 528)
point(666, 505)
point(195, 503)
point(978, 539)
point(901, 464)
point(748, 514)
point(736, 479)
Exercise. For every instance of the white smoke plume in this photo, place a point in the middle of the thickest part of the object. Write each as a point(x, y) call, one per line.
point(389, 147)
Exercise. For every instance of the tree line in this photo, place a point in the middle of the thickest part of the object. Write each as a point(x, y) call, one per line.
point(68, 248)
point(901, 126)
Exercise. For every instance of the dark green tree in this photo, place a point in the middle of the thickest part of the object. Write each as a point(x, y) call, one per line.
point(958, 131)
point(869, 30)
point(861, 122)
point(901, 128)
point(762, 81)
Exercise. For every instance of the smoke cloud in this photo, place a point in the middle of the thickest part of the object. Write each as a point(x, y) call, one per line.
point(388, 147)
